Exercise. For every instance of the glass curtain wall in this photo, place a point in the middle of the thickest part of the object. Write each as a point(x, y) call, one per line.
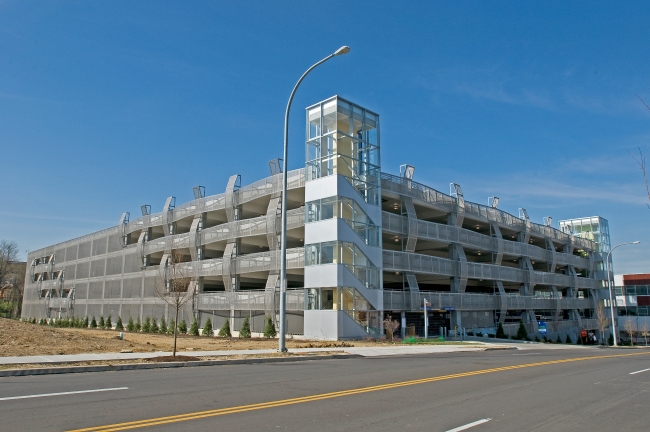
point(346, 253)
point(349, 211)
point(347, 300)
point(343, 138)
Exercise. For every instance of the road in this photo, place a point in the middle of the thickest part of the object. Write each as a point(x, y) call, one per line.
point(532, 390)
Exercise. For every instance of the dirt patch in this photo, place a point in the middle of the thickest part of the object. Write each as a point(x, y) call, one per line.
point(180, 358)
point(24, 339)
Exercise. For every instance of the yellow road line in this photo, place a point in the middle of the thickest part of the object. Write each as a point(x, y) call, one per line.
point(292, 401)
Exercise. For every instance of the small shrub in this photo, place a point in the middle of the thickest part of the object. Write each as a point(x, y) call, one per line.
point(528, 339)
point(51, 322)
point(119, 326)
point(245, 331)
point(163, 325)
point(102, 323)
point(558, 340)
point(479, 334)
point(182, 327)
point(93, 323)
point(269, 330)
point(568, 340)
point(130, 326)
point(470, 333)
point(170, 327)
point(194, 328)
point(146, 327)
point(610, 339)
point(500, 333)
point(138, 325)
point(225, 329)
point(86, 323)
point(154, 326)
point(491, 335)
point(545, 340)
point(521, 332)
point(109, 324)
point(207, 328)
point(42, 321)
point(536, 339)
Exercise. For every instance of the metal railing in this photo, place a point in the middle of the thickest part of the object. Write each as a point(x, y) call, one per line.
point(249, 300)
point(422, 192)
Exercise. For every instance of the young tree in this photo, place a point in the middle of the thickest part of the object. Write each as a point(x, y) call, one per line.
point(501, 334)
point(245, 331)
point(85, 324)
point(269, 330)
point(174, 285)
point(207, 328)
point(109, 324)
point(194, 328)
point(154, 326)
point(138, 325)
point(146, 327)
point(102, 324)
point(568, 339)
point(163, 326)
point(390, 326)
point(130, 326)
point(522, 334)
point(182, 327)
point(119, 326)
point(644, 330)
point(93, 323)
point(630, 329)
point(171, 327)
point(225, 329)
point(602, 321)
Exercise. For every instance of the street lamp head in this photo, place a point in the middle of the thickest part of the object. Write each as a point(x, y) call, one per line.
point(343, 50)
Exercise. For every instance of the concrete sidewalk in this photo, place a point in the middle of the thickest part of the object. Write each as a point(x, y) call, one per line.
point(362, 351)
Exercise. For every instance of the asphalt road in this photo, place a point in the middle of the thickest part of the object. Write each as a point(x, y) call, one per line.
point(510, 388)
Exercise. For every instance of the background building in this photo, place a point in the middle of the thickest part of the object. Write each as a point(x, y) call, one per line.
point(362, 244)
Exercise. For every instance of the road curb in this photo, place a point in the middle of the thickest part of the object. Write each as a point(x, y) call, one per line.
point(500, 348)
point(140, 366)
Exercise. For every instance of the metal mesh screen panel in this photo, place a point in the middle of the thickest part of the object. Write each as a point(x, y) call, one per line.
point(132, 263)
point(95, 290)
point(83, 270)
point(84, 250)
point(81, 291)
point(70, 272)
point(71, 253)
point(99, 246)
point(114, 243)
point(114, 265)
point(97, 268)
point(132, 288)
point(112, 288)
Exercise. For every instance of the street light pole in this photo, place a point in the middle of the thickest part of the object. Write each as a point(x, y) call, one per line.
point(283, 240)
point(609, 283)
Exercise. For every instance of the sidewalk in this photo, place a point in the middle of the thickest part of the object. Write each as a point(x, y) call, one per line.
point(361, 351)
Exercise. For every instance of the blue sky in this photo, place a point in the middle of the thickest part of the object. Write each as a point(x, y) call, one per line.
point(105, 106)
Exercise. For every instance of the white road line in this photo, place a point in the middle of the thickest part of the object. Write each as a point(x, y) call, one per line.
point(642, 370)
point(527, 354)
point(470, 425)
point(62, 393)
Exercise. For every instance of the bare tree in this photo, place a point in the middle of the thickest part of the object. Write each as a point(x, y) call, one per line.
point(602, 320)
point(174, 285)
point(12, 276)
point(645, 326)
point(630, 329)
point(640, 160)
point(390, 326)
point(8, 257)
